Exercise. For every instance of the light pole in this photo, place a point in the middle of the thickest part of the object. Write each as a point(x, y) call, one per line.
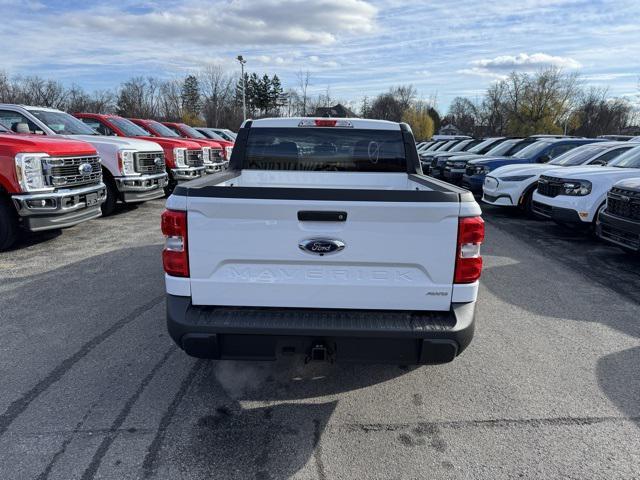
point(244, 99)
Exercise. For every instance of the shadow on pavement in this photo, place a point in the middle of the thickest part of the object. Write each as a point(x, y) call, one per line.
point(619, 378)
point(228, 437)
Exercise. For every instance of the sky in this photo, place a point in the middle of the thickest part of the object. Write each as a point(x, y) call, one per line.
point(354, 48)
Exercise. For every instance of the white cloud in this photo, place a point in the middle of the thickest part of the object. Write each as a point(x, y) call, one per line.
point(524, 61)
point(238, 23)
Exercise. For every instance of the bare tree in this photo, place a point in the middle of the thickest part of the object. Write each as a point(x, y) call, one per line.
point(304, 82)
point(597, 114)
point(217, 89)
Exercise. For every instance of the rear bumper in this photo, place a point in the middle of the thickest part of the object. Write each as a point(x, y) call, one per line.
point(619, 231)
point(141, 188)
point(60, 209)
point(372, 336)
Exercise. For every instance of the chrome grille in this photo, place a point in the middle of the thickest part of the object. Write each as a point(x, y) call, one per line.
point(216, 155)
point(194, 158)
point(65, 171)
point(149, 162)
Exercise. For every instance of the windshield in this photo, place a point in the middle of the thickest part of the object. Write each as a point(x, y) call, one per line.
point(502, 148)
point(630, 159)
point(163, 130)
point(532, 150)
point(231, 133)
point(129, 128)
point(433, 147)
point(192, 132)
point(446, 146)
point(326, 149)
point(461, 145)
point(63, 123)
point(227, 135)
point(212, 135)
point(479, 148)
point(578, 156)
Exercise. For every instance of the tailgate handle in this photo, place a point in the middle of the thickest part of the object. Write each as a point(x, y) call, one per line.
point(320, 216)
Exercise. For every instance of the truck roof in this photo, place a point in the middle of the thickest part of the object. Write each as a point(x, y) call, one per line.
point(33, 107)
point(294, 122)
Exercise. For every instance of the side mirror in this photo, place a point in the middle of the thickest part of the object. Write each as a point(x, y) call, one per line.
point(544, 158)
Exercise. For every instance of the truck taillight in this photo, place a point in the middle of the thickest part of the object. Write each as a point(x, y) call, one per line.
point(468, 259)
point(175, 257)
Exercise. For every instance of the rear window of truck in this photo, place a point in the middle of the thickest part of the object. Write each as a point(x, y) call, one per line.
point(326, 149)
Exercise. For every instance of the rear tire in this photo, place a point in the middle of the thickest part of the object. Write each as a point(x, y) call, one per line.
point(109, 204)
point(9, 227)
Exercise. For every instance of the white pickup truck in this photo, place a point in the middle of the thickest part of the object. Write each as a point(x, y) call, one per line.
point(325, 240)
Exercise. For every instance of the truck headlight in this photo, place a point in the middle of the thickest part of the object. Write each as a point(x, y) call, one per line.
point(126, 162)
point(206, 154)
point(481, 170)
point(577, 188)
point(30, 172)
point(228, 151)
point(180, 156)
point(515, 178)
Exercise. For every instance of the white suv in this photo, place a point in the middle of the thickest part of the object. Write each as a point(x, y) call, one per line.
point(575, 194)
point(513, 185)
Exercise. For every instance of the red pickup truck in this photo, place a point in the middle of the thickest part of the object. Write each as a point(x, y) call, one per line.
point(46, 183)
point(185, 160)
point(185, 131)
point(214, 155)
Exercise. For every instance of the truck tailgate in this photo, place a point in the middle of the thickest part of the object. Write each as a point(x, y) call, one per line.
point(396, 255)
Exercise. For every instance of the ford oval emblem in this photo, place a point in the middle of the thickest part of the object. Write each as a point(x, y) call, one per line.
point(85, 169)
point(321, 246)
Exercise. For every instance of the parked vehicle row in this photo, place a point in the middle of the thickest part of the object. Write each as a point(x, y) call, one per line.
point(579, 182)
point(120, 161)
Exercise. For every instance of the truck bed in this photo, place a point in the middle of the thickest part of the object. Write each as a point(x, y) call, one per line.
point(300, 185)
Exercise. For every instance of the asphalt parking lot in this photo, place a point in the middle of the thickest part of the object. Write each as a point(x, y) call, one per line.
point(93, 387)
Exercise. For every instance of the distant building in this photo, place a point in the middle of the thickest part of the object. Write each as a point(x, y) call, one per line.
point(338, 110)
point(449, 129)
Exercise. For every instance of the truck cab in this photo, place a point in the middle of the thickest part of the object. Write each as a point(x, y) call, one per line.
point(322, 240)
point(182, 157)
point(46, 183)
point(132, 169)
